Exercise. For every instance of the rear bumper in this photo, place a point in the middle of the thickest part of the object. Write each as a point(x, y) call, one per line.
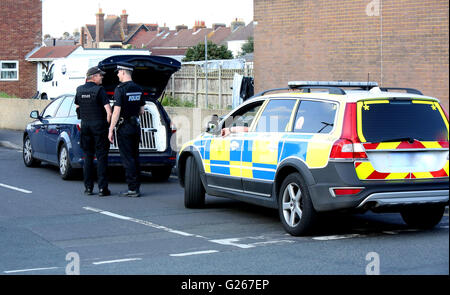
point(146, 159)
point(406, 198)
point(376, 193)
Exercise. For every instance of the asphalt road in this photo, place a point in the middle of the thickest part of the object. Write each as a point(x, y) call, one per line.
point(47, 225)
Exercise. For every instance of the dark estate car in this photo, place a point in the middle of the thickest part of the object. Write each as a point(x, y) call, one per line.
point(54, 136)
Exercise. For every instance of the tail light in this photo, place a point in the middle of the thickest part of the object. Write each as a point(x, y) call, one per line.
point(345, 191)
point(348, 146)
point(173, 127)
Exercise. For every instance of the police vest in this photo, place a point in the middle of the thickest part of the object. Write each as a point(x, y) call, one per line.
point(91, 108)
point(130, 95)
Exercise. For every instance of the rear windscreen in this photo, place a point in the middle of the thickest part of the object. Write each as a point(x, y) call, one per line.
point(381, 121)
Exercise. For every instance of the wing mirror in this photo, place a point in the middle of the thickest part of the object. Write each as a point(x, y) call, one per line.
point(35, 115)
point(213, 123)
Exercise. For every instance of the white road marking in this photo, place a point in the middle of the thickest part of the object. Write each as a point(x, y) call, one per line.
point(337, 237)
point(16, 188)
point(143, 222)
point(194, 253)
point(116, 261)
point(30, 269)
point(232, 242)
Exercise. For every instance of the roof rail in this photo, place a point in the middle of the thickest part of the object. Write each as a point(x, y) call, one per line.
point(334, 87)
point(408, 90)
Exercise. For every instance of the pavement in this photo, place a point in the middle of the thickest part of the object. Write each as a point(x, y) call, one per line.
point(11, 139)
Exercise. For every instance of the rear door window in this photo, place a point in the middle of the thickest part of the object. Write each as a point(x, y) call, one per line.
point(388, 120)
point(276, 115)
point(315, 117)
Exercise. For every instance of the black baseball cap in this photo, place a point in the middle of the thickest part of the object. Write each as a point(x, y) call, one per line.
point(124, 66)
point(93, 71)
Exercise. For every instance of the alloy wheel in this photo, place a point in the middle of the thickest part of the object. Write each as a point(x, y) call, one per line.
point(291, 203)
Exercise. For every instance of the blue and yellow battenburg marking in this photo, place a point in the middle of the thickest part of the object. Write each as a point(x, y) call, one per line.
point(256, 156)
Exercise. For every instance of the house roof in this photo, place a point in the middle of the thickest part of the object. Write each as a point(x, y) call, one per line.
point(112, 30)
point(141, 38)
point(184, 38)
point(168, 51)
point(51, 53)
point(241, 33)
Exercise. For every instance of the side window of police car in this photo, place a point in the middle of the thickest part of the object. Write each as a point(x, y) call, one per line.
point(315, 117)
point(241, 120)
point(276, 115)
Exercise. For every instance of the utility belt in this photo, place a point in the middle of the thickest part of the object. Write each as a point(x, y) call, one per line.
point(131, 120)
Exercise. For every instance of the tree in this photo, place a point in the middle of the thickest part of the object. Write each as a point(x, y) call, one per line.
point(247, 47)
point(215, 51)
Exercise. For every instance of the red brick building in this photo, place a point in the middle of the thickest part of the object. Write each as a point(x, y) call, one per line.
point(20, 33)
point(398, 42)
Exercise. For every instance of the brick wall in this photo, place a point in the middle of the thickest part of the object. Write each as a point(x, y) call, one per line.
point(20, 32)
point(399, 42)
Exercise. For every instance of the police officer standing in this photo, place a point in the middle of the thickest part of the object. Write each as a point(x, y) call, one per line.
point(129, 104)
point(94, 111)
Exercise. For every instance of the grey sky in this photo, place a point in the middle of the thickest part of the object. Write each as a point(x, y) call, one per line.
point(59, 16)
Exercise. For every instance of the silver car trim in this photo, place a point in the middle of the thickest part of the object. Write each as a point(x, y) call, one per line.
point(411, 197)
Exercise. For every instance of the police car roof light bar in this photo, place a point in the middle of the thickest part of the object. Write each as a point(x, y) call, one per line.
point(334, 87)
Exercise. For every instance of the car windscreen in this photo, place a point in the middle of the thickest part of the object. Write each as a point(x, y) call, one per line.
point(400, 120)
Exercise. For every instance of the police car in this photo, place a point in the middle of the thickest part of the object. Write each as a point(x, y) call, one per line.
point(326, 146)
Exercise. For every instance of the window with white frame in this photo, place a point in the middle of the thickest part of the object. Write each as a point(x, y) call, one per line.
point(9, 70)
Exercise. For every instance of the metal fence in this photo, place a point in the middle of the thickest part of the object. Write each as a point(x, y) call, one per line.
point(211, 89)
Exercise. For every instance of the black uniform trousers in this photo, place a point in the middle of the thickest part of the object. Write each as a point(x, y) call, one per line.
point(128, 137)
point(94, 142)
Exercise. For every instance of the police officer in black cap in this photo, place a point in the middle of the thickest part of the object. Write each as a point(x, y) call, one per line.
point(129, 104)
point(94, 110)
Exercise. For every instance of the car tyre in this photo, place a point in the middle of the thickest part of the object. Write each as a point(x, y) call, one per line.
point(295, 207)
point(65, 168)
point(194, 192)
point(162, 173)
point(423, 217)
point(27, 153)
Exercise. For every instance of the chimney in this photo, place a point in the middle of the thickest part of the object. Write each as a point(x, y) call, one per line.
point(82, 37)
point(180, 27)
point(216, 26)
point(99, 26)
point(124, 22)
point(236, 24)
point(163, 29)
point(199, 25)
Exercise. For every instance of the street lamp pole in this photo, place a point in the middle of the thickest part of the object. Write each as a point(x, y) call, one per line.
point(206, 70)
